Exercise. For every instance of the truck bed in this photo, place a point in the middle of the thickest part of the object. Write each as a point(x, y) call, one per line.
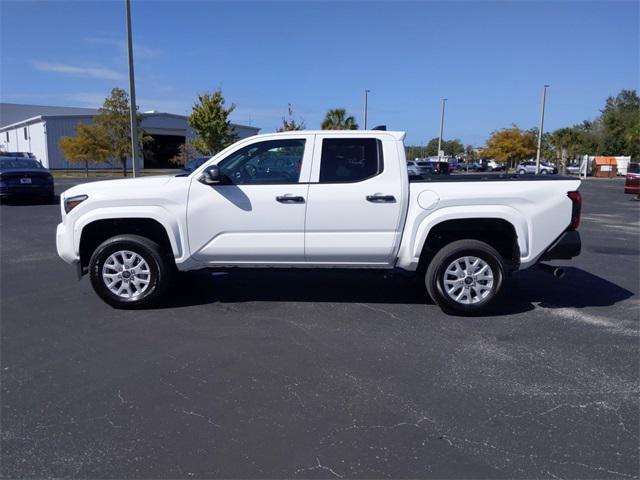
point(537, 206)
point(486, 177)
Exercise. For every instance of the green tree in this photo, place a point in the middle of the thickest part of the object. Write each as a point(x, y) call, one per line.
point(621, 125)
point(289, 123)
point(114, 118)
point(186, 152)
point(413, 152)
point(210, 120)
point(510, 145)
point(337, 119)
point(470, 153)
point(91, 144)
point(449, 147)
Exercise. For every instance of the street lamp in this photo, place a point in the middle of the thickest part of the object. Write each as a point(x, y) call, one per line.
point(366, 107)
point(540, 128)
point(132, 93)
point(441, 129)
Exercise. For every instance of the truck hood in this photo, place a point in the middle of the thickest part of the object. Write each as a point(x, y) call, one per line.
point(123, 187)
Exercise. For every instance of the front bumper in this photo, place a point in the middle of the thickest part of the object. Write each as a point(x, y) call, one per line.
point(567, 246)
point(64, 244)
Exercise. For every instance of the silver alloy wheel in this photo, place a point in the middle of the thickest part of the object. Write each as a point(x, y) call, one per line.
point(468, 280)
point(126, 274)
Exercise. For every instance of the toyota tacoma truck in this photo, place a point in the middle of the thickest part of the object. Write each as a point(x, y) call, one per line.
point(318, 199)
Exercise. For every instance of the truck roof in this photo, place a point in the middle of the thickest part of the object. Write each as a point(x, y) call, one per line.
point(397, 135)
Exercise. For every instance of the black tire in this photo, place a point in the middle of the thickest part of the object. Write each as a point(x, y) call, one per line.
point(434, 277)
point(522, 172)
point(160, 270)
point(544, 172)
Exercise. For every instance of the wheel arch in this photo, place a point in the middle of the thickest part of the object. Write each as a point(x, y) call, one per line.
point(502, 228)
point(92, 230)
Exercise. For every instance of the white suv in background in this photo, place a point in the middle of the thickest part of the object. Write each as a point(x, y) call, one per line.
point(412, 169)
point(530, 167)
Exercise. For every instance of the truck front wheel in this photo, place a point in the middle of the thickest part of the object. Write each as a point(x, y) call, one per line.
point(465, 277)
point(129, 271)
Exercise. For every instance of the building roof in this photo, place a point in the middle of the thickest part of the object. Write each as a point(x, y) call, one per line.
point(11, 113)
point(14, 115)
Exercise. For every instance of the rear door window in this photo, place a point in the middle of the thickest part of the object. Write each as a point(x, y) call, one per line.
point(348, 160)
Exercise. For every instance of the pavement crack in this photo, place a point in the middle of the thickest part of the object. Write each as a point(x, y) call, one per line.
point(196, 414)
point(319, 466)
point(380, 310)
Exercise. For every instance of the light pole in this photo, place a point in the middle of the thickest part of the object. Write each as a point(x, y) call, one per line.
point(132, 93)
point(544, 98)
point(441, 129)
point(366, 107)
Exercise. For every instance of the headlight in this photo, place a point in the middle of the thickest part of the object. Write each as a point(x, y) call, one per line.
point(72, 202)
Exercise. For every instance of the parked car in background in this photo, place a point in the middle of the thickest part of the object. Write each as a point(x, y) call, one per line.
point(632, 181)
point(442, 168)
point(425, 168)
point(573, 169)
point(492, 166)
point(24, 177)
point(470, 167)
point(530, 167)
point(412, 169)
point(432, 168)
point(18, 154)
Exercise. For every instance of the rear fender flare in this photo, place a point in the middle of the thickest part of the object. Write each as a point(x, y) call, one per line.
point(501, 212)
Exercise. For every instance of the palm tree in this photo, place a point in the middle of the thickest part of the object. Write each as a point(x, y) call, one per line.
point(336, 119)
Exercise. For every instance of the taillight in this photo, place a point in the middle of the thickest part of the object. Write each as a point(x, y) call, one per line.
point(576, 200)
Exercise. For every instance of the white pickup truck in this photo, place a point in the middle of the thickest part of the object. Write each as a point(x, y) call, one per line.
point(317, 199)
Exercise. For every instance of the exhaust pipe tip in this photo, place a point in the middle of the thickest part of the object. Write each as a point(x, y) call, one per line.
point(556, 272)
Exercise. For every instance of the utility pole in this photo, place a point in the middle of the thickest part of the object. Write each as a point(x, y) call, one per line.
point(441, 129)
point(366, 107)
point(132, 93)
point(544, 98)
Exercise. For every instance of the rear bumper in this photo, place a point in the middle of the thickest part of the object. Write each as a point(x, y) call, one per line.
point(567, 246)
point(24, 190)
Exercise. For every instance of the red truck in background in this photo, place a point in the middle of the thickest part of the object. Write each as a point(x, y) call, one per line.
point(632, 183)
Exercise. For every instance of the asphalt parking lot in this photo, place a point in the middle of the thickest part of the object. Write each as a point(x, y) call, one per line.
point(324, 374)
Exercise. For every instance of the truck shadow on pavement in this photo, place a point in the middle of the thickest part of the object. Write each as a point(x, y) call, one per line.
point(578, 289)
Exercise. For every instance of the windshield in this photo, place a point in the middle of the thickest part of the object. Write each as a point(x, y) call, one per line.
point(634, 168)
point(17, 163)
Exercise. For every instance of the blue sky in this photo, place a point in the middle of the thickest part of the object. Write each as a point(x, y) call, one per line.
point(490, 59)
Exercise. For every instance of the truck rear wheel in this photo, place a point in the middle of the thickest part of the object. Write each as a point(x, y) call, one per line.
point(465, 277)
point(129, 271)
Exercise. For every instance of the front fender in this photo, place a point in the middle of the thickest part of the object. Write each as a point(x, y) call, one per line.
point(175, 231)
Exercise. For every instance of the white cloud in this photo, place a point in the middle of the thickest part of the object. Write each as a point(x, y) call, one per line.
point(139, 50)
point(92, 72)
point(89, 99)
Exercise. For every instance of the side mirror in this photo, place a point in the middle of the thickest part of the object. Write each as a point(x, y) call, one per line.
point(211, 175)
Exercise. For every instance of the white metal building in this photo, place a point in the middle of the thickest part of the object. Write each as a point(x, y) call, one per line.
point(38, 129)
